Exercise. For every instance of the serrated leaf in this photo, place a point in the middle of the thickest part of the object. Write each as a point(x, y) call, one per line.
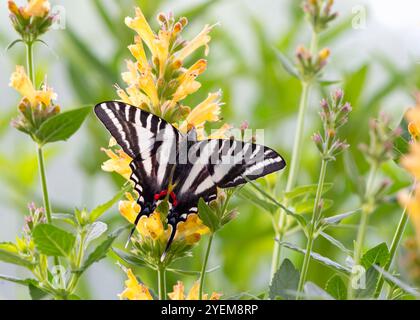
point(53, 241)
point(285, 281)
point(336, 288)
point(378, 255)
point(9, 254)
point(61, 126)
point(208, 216)
point(317, 257)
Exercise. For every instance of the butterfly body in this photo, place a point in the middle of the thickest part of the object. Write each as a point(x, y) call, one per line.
point(168, 164)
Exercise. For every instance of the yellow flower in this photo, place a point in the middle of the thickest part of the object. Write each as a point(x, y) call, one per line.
point(134, 290)
point(202, 39)
point(118, 162)
point(208, 110)
point(162, 49)
point(21, 83)
point(413, 208)
point(147, 84)
point(149, 227)
point(414, 130)
point(140, 25)
point(221, 133)
point(178, 293)
point(37, 8)
point(137, 51)
point(191, 230)
point(411, 161)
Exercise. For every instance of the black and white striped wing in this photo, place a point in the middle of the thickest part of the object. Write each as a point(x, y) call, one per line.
point(150, 141)
point(221, 163)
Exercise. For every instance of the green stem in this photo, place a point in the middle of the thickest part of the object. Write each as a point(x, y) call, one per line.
point(367, 209)
point(204, 267)
point(312, 228)
point(396, 240)
point(44, 184)
point(30, 62)
point(296, 154)
point(162, 282)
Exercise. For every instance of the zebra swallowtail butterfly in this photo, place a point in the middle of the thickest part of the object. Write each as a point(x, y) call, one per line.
point(163, 156)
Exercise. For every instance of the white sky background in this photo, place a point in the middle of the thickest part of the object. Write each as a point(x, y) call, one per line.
point(392, 27)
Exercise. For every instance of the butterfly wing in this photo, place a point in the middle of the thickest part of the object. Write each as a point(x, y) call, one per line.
point(221, 163)
point(150, 141)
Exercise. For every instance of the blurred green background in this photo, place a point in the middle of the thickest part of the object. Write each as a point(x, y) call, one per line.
point(377, 63)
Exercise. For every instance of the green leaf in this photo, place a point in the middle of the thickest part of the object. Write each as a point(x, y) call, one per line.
point(402, 142)
point(336, 288)
point(319, 258)
point(208, 216)
point(378, 255)
point(36, 292)
point(129, 258)
point(287, 64)
point(285, 281)
point(397, 282)
point(335, 243)
point(306, 190)
point(100, 251)
point(61, 126)
point(11, 44)
point(246, 194)
point(371, 281)
point(65, 217)
point(191, 272)
point(9, 254)
point(338, 218)
point(96, 213)
point(307, 205)
point(53, 241)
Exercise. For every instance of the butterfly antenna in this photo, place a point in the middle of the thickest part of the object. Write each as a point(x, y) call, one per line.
point(139, 215)
point(168, 244)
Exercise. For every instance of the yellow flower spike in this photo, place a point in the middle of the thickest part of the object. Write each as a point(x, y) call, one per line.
point(147, 84)
point(21, 83)
point(191, 230)
point(137, 98)
point(134, 290)
point(411, 161)
point(195, 70)
point(202, 39)
point(141, 26)
point(37, 8)
point(119, 163)
point(131, 77)
point(187, 87)
point(151, 227)
point(45, 95)
point(129, 208)
point(178, 292)
point(13, 8)
point(137, 51)
point(413, 209)
point(206, 111)
point(162, 49)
